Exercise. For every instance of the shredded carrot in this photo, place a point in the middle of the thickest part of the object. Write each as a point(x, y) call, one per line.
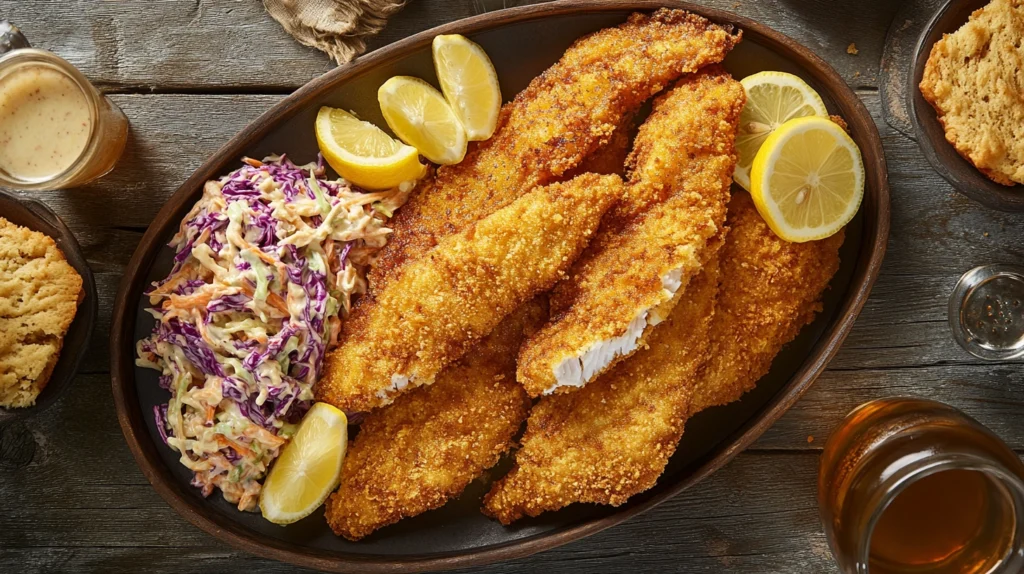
point(241, 450)
point(252, 162)
point(194, 301)
point(210, 412)
point(334, 324)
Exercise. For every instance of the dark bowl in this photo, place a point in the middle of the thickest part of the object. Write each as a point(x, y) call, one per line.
point(37, 217)
point(522, 42)
point(959, 172)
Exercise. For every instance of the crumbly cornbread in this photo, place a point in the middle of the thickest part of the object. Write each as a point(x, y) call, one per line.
point(973, 80)
point(39, 294)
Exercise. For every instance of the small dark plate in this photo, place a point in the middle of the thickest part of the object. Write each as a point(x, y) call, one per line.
point(522, 42)
point(37, 217)
point(959, 172)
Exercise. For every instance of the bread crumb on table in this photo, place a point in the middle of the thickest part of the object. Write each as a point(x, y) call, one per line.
point(852, 49)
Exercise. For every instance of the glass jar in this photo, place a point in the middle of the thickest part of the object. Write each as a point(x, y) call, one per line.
point(91, 154)
point(913, 485)
point(986, 312)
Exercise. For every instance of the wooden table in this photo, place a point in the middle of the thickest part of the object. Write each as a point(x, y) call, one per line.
point(191, 73)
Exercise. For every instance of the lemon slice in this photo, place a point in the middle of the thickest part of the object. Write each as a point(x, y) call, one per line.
point(808, 179)
point(773, 98)
point(308, 468)
point(469, 83)
point(364, 154)
point(420, 115)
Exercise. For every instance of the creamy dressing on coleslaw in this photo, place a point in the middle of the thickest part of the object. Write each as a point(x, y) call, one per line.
point(265, 265)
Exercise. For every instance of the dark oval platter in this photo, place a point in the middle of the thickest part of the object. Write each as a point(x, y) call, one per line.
point(522, 42)
point(931, 136)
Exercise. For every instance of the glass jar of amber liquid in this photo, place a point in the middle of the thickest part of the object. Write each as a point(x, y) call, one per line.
point(915, 486)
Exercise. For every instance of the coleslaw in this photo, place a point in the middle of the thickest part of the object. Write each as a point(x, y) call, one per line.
point(265, 266)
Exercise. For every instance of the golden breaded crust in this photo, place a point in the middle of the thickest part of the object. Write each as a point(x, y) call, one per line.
point(770, 289)
point(612, 439)
point(424, 449)
point(564, 115)
point(39, 295)
point(445, 302)
point(675, 203)
point(610, 158)
point(973, 80)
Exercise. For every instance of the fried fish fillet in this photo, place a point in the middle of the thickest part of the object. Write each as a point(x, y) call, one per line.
point(443, 303)
point(424, 449)
point(651, 244)
point(771, 288)
point(563, 116)
point(612, 438)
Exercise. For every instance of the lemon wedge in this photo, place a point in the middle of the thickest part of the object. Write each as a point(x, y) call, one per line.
point(469, 83)
point(773, 98)
point(807, 180)
point(423, 118)
point(364, 154)
point(309, 466)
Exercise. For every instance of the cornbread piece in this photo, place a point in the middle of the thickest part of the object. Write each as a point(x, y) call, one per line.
point(973, 80)
point(39, 295)
point(424, 449)
point(441, 305)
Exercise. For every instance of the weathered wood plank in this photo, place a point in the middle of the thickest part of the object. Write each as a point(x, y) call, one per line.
point(169, 44)
point(235, 45)
point(990, 393)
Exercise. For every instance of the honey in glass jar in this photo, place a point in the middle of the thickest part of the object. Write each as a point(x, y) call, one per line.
point(915, 486)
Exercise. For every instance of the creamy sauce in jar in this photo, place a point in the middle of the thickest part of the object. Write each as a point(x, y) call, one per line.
point(45, 123)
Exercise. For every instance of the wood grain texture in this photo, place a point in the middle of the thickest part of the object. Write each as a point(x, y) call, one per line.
point(72, 499)
point(231, 45)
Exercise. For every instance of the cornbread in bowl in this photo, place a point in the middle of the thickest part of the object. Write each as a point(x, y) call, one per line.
point(48, 307)
point(962, 127)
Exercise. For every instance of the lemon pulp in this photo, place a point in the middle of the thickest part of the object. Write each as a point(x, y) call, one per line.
point(309, 466)
point(469, 83)
point(807, 180)
point(364, 154)
point(422, 117)
point(773, 98)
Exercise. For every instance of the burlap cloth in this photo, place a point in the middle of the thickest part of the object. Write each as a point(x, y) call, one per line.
point(338, 27)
